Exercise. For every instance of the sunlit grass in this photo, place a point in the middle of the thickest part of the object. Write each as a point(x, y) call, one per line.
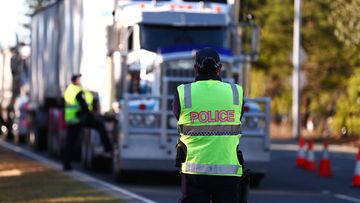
point(26, 181)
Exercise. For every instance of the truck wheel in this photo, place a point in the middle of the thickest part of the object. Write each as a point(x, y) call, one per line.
point(50, 144)
point(255, 179)
point(84, 151)
point(116, 168)
point(22, 139)
point(87, 154)
point(38, 130)
point(37, 138)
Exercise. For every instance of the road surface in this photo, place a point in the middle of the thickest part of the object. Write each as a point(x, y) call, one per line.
point(284, 182)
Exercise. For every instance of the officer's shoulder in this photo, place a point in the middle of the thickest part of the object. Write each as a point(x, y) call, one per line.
point(182, 85)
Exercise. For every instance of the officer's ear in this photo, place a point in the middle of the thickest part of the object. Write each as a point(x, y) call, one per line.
point(196, 69)
point(219, 69)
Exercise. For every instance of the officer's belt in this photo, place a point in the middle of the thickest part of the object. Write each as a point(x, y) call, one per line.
point(209, 130)
point(210, 168)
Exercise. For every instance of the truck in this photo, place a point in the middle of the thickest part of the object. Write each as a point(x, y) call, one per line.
point(134, 54)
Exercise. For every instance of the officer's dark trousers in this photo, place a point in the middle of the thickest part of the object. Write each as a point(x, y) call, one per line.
point(73, 131)
point(203, 188)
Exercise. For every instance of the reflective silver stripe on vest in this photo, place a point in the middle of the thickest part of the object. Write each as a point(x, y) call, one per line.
point(235, 94)
point(211, 168)
point(187, 95)
point(209, 130)
point(72, 106)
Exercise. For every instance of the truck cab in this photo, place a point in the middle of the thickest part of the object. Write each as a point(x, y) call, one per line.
point(157, 42)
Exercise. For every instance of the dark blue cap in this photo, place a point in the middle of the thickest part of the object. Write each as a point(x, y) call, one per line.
point(207, 58)
point(75, 77)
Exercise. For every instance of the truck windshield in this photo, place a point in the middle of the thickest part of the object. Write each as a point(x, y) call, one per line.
point(155, 36)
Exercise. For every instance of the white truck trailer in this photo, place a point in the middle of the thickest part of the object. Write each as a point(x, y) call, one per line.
point(67, 37)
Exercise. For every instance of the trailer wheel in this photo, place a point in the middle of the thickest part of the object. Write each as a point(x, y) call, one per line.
point(91, 160)
point(87, 154)
point(37, 138)
point(38, 130)
point(84, 151)
point(21, 139)
point(116, 167)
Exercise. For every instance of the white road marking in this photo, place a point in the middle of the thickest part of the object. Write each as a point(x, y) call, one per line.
point(348, 198)
point(317, 147)
point(76, 174)
point(284, 192)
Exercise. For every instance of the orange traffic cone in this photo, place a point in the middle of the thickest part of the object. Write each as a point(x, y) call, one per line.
point(356, 179)
point(300, 159)
point(325, 164)
point(310, 164)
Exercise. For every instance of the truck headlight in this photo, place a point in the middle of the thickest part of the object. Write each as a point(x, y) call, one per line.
point(251, 123)
point(172, 122)
point(149, 120)
point(135, 120)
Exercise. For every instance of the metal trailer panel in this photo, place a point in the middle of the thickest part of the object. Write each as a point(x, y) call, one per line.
point(44, 40)
point(5, 78)
point(55, 49)
point(94, 65)
point(70, 46)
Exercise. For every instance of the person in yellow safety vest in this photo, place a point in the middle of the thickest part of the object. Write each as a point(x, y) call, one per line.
point(78, 114)
point(209, 115)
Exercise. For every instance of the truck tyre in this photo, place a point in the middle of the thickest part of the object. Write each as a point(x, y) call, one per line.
point(22, 139)
point(91, 161)
point(38, 130)
point(116, 167)
point(87, 155)
point(37, 138)
point(84, 151)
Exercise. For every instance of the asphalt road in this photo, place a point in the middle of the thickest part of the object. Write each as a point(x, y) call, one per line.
point(284, 182)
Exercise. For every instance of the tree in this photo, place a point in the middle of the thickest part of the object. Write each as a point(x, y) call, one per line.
point(330, 60)
point(347, 117)
point(35, 5)
point(345, 16)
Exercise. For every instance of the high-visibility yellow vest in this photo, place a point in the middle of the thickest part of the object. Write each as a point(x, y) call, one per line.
point(209, 125)
point(89, 99)
point(72, 106)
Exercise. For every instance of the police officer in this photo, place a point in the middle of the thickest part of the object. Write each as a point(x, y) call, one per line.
point(78, 106)
point(209, 113)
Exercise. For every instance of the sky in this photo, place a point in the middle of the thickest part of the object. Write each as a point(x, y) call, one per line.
point(12, 15)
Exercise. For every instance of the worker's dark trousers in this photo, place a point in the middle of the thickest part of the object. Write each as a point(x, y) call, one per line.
point(73, 131)
point(203, 188)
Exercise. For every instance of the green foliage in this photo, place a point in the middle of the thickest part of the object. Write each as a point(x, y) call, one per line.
point(257, 89)
point(345, 16)
point(348, 107)
point(330, 61)
point(35, 5)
